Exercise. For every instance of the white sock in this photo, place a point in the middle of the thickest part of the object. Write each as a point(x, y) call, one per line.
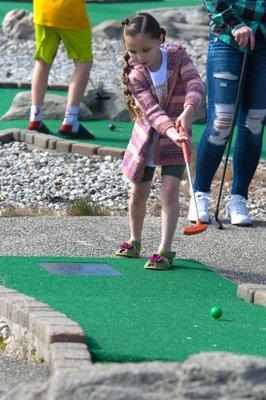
point(71, 117)
point(36, 113)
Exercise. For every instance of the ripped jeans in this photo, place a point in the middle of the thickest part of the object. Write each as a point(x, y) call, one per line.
point(223, 71)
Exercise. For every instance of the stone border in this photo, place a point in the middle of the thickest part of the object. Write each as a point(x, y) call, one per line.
point(51, 336)
point(62, 146)
point(252, 293)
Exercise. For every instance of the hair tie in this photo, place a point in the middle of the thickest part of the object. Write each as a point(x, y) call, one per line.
point(125, 21)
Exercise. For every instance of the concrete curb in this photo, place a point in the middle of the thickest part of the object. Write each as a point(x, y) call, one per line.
point(50, 335)
point(252, 293)
point(62, 146)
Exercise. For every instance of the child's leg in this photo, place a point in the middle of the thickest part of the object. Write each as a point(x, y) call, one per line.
point(79, 48)
point(38, 89)
point(39, 82)
point(78, 83)
point(76, 91)
point(170, 210)
point(47, 41)
point(137, 207)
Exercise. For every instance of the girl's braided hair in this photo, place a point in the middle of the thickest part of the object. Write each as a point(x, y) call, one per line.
point(145, 24)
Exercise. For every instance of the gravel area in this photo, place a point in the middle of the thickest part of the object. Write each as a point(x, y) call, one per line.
point(107, 53)
point(37, 181)
point(14, 373)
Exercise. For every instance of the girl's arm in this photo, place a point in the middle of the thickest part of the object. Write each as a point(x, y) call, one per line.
point(194, 91)
point(153, 112)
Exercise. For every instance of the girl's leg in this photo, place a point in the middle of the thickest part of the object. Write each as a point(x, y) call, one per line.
point(248, 145)
point(137, 208)
point(223, 72)
point(169, 195)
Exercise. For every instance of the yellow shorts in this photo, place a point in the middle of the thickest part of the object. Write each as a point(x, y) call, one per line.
point(77, 43)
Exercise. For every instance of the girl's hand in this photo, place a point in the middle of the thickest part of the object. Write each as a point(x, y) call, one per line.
point(244, 36)
point(176, 136)
point(185, 119)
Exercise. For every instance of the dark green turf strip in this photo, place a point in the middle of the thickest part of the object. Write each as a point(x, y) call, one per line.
point(145, 315)
point(100, 12)
point(104, 137)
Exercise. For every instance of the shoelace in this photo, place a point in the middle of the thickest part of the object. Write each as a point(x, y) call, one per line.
point(202, 203)
point(239, 206)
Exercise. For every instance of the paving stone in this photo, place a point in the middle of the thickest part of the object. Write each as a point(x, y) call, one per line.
point(20, 313)
point(29, 137)
point(16, 134)
point(49, 331)
point(45, 315)
point(69, 351)
point(6, 136)
point(111, 151)
point(64, 146)
point(83, 149)
point(246, 291)
point(260, 297)
point(42, 140)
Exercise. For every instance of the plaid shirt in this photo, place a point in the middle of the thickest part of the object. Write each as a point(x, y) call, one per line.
point(227, 15)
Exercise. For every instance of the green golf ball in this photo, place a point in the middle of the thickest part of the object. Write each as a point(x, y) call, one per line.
point(216, 312)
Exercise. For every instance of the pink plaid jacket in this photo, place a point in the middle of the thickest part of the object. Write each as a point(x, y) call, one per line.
point(184, 87)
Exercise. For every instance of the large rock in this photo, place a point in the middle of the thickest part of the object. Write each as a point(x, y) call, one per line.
point(95, 105)
point(18, 24)
point(54, 107)
point(219, 376)
point(108, 29)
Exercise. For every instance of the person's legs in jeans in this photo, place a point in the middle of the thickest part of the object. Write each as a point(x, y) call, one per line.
point(249, 136)
point(223, 72)
point(248, 144)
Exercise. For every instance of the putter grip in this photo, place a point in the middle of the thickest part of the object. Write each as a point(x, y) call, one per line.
point(184, 146)
point(185, 151)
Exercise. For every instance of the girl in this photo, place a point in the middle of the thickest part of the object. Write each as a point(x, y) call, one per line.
point(163, 89)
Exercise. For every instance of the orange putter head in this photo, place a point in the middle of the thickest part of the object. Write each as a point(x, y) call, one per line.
point(194, 229)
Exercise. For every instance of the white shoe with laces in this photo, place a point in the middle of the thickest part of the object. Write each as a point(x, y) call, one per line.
point(236, 210)
point(203, 201)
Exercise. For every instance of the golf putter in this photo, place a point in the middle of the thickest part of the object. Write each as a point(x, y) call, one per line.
point(98, 95)
point(199, 226)
point(215, 218)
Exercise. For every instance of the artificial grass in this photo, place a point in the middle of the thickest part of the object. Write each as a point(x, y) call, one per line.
point(141, 314)
point(103, 136)
point(99, 12)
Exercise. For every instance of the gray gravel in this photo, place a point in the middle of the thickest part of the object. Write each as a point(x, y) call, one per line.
point(236, 252)
point(14, 373)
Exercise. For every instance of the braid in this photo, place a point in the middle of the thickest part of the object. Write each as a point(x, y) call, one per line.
point(130, 101)
point(163, 33)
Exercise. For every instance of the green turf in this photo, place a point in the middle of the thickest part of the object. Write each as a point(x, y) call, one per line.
point(104, 137)
point(100, 12)
point(145, 315)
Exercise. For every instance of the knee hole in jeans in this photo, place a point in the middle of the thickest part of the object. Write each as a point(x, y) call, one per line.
point(254, 120)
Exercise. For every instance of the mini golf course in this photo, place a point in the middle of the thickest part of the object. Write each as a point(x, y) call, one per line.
point(140, 315)
point(99, 12)
point(103, 136)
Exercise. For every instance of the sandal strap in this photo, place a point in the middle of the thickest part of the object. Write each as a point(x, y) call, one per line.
point(168, 254)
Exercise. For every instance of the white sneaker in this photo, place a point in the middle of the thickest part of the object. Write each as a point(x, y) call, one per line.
point(236, 209)
point(203, 201)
